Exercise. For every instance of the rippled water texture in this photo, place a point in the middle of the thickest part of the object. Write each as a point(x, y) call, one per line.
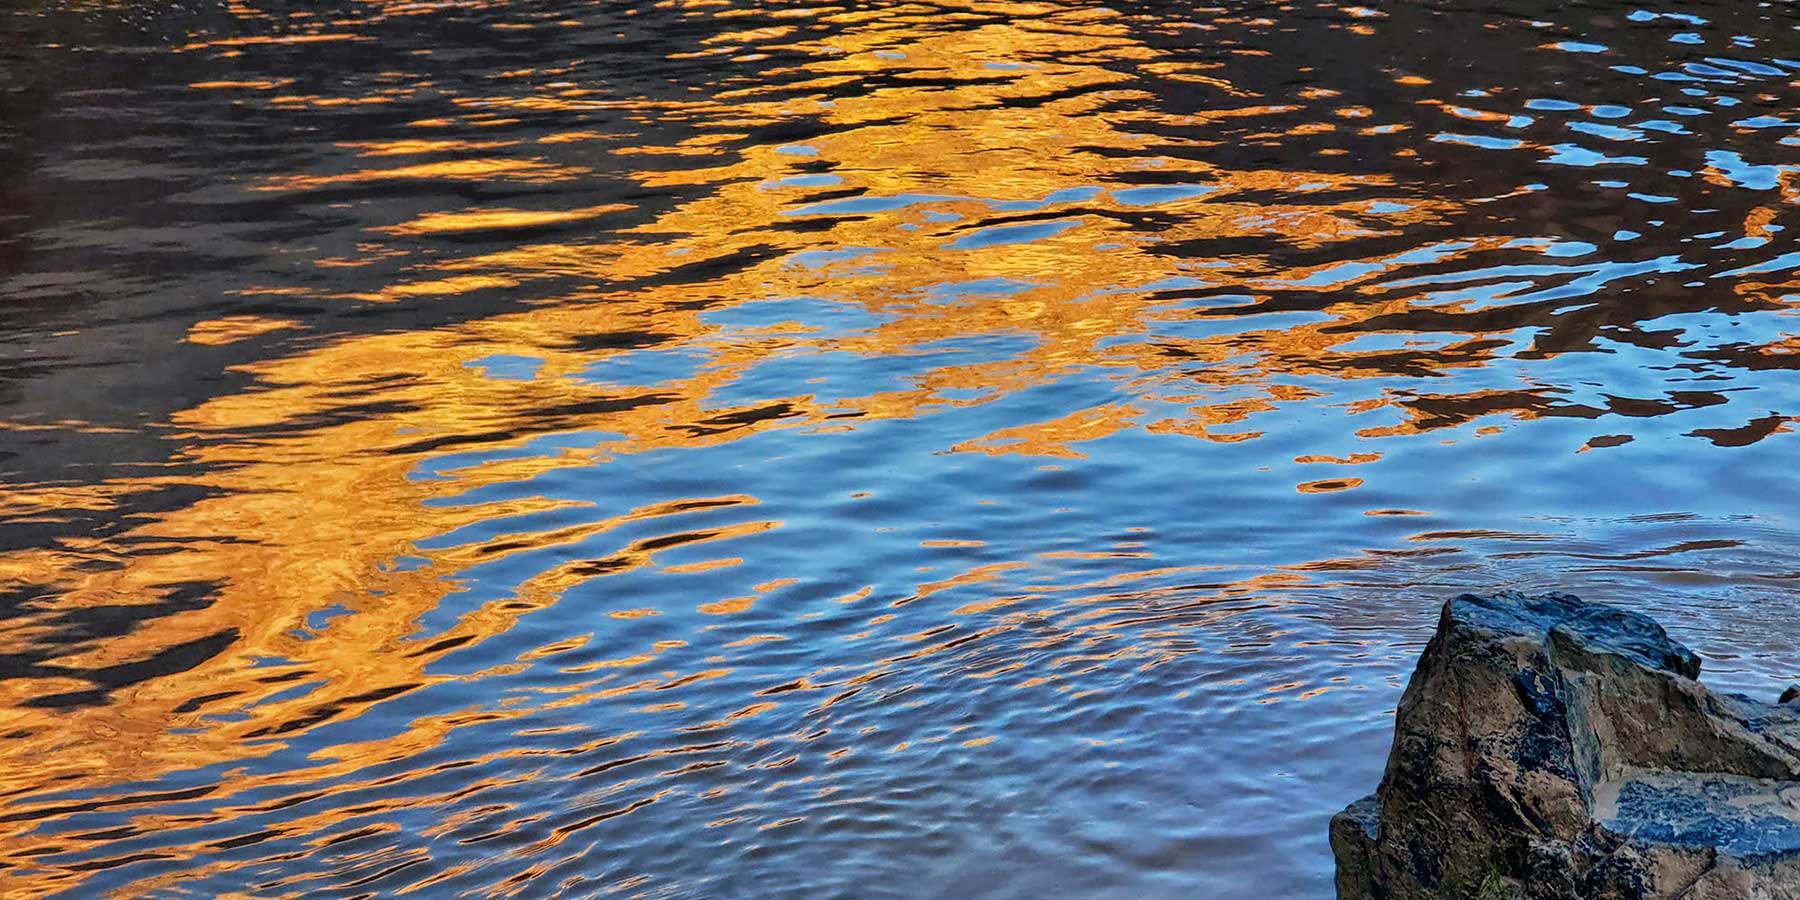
point(736, 449)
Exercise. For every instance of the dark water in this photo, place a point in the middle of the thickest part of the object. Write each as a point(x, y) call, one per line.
point(734, 449)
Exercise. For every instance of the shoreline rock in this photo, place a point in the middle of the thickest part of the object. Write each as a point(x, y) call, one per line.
point(1551, 749)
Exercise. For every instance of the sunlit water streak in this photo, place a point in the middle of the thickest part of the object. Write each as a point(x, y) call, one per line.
point(715, 449)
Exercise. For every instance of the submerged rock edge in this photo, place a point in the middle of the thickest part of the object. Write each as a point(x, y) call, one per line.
point(1552, 749)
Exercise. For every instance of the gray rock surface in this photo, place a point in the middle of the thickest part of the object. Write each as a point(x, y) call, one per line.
point(1550, 749)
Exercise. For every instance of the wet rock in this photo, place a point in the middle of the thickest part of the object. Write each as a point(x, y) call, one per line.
point(1550, 749)
point(1791, 695)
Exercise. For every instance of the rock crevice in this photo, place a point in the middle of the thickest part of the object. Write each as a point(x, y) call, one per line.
point(1551, 749)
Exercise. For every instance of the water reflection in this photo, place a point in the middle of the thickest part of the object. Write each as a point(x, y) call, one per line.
point(718, 449)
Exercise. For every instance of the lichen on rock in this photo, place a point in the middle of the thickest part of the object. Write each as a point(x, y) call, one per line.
point(1551, 749)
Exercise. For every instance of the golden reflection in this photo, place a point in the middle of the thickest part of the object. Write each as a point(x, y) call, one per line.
point(231, 329)
point(451, 170)
point(301, 519)
point(497, 219)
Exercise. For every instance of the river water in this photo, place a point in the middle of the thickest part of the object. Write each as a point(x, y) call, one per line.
point(718, 448)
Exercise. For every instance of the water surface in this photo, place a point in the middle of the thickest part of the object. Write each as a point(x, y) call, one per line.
point(779, 449)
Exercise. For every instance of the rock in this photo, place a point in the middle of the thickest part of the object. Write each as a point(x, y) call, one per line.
point(1550, 749)
point(1791, 695)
